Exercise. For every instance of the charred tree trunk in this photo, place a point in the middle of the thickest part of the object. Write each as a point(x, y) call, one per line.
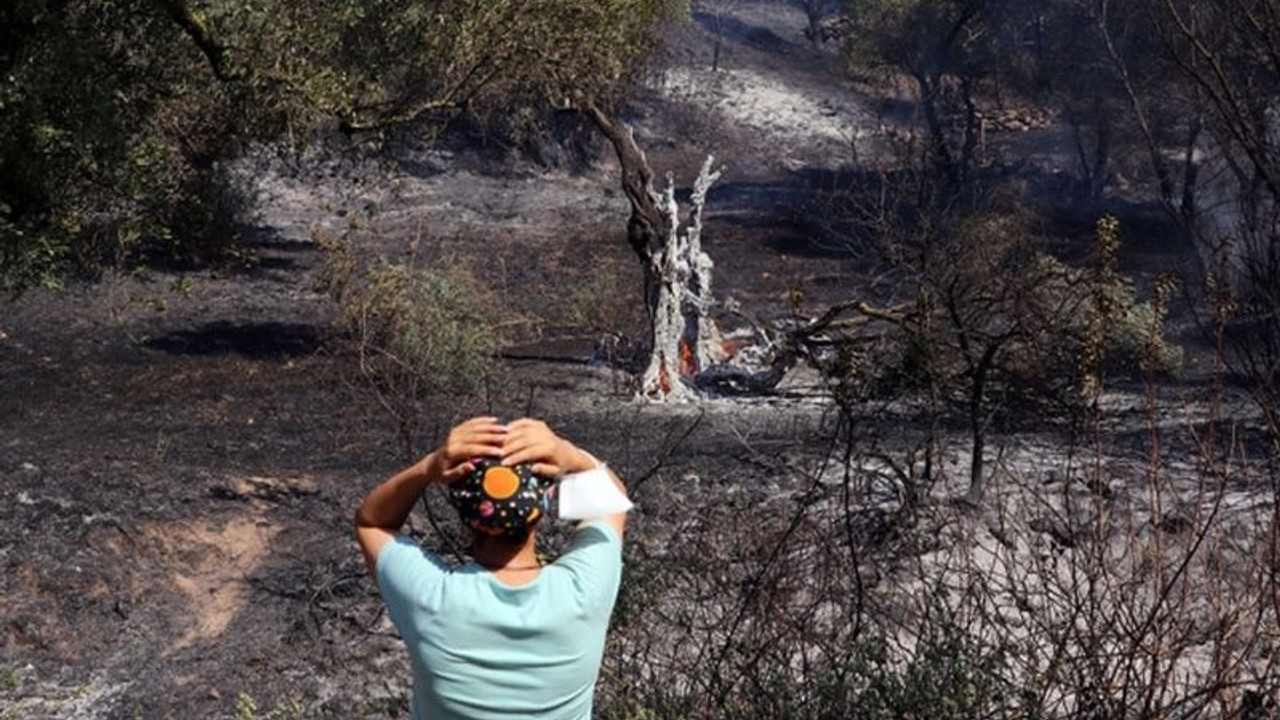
point(939, 149)
point(813, 14)
point(1101, 161)
point(978, 437)
point(718, 22)
point(1095, 166)
point(677, 273)
point(969, 152)
point(683, 336)
point(1190, 175)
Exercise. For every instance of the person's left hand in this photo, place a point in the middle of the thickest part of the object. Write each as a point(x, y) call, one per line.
point(532, 441)
point(477, 437)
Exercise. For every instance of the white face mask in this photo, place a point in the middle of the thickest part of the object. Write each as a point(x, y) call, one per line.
point(590, 494)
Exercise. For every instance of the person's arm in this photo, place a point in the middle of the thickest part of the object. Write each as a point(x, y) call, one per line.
point(385, 508)
point(618, 521)
point(531, 441)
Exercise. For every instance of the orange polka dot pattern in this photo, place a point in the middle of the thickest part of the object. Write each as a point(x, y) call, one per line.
point(500, 500)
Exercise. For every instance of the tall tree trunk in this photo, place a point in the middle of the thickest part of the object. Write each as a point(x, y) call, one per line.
point(683, 338)
point(969, 152)
point(715, 50)
point(677, 272)
point(930, 92)
point(1095, 165)
point(1190, 175)
point(1101, 157)
point(813, 13)
point(979, 421)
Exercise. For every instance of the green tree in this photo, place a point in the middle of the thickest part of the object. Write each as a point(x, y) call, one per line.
point(276, 66)
point(114, 116)
point(375, 65)
point(110, 136)
point(400, 64)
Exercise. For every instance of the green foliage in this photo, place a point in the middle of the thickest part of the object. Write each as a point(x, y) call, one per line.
point(9, 680)
point(1050, 329)
point(110, 129)
point(948, 673)
point(1110, 329)
point(391, 61)
point(116, 117)
point(431, 324)
point(247, 709)
point(410, 332)
point(413, 331)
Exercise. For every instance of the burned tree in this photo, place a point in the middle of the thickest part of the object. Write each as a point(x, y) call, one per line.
point(677, 272)
point(439, 63)
point(945, 48)
point(1227, 54)
point(815, 11)
point(986, 330)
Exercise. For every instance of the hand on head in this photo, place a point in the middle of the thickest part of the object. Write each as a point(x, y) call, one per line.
point(523, 441)
point(532, 441)
point(475, 438)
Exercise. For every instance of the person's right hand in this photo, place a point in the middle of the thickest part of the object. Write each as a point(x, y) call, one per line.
point(476, 438)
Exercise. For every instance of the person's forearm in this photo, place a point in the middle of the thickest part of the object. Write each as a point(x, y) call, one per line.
point(579, 460)
point(388, 505)
point(585, 461)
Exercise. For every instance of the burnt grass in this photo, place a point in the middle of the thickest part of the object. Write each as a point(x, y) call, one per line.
point(179, 464)
point(179, 475)
point(179, 478)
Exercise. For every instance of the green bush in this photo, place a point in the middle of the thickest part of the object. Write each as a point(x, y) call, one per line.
point(111, 132)
point(949, 674)
point(411, 332)
point(414, 331)
point(427, 324)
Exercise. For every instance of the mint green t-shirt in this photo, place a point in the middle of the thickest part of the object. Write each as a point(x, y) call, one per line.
point(482, 649)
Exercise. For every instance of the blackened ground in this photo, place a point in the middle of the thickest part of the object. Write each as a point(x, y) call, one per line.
point(180, 457)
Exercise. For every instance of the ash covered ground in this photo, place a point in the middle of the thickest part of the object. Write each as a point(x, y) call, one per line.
point(180, 455)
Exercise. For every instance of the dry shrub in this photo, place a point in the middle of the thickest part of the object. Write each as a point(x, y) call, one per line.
point(1090, 586)
point(411, 332)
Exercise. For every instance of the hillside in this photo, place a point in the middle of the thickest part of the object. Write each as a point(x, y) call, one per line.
point(183, 451)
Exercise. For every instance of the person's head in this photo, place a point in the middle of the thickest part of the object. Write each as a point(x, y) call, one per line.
point(500, 502)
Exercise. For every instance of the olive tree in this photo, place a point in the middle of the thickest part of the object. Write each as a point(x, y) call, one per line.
point(177, 84)
point(381, 65)
point(111, 132)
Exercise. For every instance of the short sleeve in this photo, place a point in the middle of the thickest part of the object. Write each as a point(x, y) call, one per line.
point(406, 572)
point(594, 561)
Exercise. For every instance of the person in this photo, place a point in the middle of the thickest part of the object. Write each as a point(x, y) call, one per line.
point(502, 636)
